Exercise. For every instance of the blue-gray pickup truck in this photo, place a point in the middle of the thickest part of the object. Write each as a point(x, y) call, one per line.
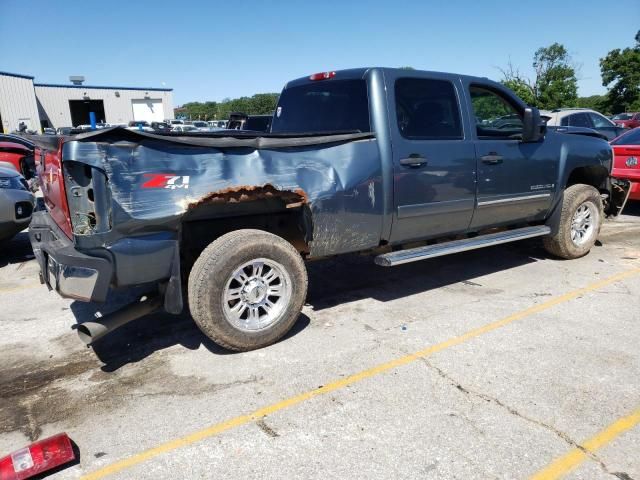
point(403, 164)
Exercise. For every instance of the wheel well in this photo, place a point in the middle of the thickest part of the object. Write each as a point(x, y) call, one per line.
point(595, 175)
point(283, 213)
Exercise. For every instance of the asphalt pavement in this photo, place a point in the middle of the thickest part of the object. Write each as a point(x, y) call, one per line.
point(497, 363)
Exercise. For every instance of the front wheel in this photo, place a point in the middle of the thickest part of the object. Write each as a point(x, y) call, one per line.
point(580, 220)
point(247, 288)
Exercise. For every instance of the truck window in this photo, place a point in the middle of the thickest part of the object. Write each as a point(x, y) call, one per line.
point(323, 106)
point(495, 116)
point(427, 109)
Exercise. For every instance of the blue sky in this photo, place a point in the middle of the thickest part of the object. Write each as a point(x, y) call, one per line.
point(209, 50)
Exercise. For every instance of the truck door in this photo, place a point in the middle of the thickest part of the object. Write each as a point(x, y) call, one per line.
point(433, 159)
point(516, 180)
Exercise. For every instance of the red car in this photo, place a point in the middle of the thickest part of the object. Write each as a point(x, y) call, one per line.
point(627, 120)
point(19, 156)
point(626, 162)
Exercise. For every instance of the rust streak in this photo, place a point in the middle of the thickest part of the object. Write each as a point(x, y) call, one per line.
point(248, 193)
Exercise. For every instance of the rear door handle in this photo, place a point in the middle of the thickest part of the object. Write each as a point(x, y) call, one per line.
point(492, 158)
point(413, 160)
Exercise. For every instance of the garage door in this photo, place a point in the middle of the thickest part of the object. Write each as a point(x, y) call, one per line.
point(149, 109)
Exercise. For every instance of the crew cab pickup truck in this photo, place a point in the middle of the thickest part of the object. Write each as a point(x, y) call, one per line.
point(364, 160)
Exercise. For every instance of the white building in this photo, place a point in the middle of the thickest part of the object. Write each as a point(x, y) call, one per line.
point(17, 102)
point(41, 105)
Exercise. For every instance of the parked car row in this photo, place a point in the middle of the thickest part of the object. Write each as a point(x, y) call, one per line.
point(627, 120)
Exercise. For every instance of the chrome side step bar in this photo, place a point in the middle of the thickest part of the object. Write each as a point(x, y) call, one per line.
point(456, 246)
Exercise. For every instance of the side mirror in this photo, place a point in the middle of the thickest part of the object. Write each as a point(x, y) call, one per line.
point(533, 126)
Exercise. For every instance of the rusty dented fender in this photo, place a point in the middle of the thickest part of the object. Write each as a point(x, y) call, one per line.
point(153, 181)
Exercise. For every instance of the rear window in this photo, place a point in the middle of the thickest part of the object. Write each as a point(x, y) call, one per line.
point(323, 106)
point(632, 137)
point(427, 109)
point(258, 124)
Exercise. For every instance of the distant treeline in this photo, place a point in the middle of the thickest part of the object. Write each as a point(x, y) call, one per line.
point(260, 103)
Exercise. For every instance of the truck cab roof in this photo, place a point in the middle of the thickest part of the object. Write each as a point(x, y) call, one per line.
point(361, 73)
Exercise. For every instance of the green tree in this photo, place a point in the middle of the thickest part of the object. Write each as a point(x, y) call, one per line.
point(258, 104)
point(522, 89)
point(594, 102)
point(621, 70)
point(555, 84)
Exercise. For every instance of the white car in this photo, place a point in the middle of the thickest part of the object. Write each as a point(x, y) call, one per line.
point(201, 125)
point(16, 202)
point(217, 124)
point(582, 117)
point(184, 128)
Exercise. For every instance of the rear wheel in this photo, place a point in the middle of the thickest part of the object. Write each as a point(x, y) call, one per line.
point(580, 221)
point(247, 288)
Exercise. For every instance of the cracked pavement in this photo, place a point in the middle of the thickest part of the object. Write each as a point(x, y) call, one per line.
point(502, 405)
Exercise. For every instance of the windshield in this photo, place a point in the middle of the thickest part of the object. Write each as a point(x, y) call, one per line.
point(632, 137)
point(622, 116)
point(323, 106)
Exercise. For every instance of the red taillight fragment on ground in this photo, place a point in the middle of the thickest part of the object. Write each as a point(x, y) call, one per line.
point(37, 458)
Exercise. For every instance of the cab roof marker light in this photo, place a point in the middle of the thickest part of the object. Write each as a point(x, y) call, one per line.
point(37, 458)
point(322, 76)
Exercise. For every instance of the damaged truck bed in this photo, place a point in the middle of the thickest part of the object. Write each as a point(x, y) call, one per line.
point(228, 219)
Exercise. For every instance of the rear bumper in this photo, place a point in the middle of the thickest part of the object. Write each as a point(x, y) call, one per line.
point(71, 273)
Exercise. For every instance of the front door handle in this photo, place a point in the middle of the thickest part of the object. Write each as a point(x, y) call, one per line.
point(492, 158)
point(414, 160)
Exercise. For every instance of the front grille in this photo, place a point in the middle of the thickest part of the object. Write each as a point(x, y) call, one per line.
point(23, 210)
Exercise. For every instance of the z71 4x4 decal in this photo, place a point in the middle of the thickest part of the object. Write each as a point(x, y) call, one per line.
point(165, 180)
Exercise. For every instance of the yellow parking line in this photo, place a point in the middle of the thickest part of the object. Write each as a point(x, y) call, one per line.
point(575, 457)
point(338, 384)
point(20, 287)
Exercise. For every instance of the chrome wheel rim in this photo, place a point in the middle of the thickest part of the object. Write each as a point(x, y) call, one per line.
point(583, 223)
point(256, 294)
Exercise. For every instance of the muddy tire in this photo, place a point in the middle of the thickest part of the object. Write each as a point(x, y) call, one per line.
point(246, 289)
point(580, 219)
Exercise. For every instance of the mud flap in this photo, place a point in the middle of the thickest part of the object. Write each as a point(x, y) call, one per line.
point(173, 288)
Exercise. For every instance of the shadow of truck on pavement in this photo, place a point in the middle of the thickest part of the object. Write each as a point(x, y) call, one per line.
point(331, 282)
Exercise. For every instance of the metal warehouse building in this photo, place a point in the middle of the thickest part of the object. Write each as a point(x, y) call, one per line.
point(41, 105)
